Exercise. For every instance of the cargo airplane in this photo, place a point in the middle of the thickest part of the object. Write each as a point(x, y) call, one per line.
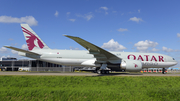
point(103, 60)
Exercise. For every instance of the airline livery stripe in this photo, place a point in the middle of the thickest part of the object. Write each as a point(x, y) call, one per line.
point(27, 31)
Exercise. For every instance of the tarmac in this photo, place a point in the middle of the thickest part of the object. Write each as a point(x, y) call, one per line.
point(85, 74)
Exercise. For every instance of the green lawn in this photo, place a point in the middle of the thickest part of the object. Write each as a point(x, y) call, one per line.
point(79, 88)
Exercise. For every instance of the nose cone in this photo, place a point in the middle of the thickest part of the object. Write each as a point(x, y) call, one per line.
point(175, 62)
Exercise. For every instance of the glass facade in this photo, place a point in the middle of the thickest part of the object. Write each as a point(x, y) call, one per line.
point(8, 59)
point(27, 63)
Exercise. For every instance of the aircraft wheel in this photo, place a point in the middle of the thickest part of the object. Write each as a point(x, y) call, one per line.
point(107, 72)
point(102, 72)
point(94, 71)
point(98, 71)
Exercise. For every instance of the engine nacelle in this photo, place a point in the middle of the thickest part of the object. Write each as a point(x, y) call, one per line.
point(131, 65)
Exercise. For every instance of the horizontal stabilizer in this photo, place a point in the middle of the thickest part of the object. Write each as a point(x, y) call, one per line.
point(21, 50)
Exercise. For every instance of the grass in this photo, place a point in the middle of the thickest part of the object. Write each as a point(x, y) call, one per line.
point(80, 88)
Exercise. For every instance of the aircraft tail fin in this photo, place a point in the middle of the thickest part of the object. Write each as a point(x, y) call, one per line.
point(32, 39)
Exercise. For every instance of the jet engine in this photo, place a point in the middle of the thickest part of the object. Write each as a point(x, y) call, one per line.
point(131, 65)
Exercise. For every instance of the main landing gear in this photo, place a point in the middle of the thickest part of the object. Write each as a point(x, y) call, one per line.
point(103, 69)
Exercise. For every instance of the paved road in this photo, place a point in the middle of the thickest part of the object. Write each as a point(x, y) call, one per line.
point(87, 74)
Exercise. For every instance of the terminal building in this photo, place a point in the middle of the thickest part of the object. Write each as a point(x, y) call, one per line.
point(12, 64)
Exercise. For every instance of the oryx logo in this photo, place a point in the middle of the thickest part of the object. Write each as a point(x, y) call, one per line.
point(135, 65)
point(32, 40)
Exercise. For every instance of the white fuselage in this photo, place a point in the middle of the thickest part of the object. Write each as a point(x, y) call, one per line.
point(83, 58)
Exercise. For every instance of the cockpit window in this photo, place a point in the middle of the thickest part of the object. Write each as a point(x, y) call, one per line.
point(173, 59)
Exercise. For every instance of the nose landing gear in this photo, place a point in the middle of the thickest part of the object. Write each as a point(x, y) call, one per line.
point(164, 71)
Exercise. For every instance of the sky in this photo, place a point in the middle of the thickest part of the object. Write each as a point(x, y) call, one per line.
point(115, 25)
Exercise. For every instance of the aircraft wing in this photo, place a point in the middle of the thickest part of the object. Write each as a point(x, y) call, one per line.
point(21, 50)
point(100, 54)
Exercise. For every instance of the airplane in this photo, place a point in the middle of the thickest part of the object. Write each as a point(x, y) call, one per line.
point(104, 61)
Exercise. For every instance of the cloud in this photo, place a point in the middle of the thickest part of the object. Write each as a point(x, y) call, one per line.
point(3, 57)
point(139, 10)
point(136, 19)
point(114, 11)
point(142, 46)
point(113, 46)
point(142, 49)
point(14, 52)
point(146, 43)
point(3, 50)
point(72, 48)
point(165, 49)
point(10, 39)
point(24, 46)
point(122, 30)
point(56, 13)
point(178, 34)
point(28, 19)
point(86, 16)
point(155, 50)
point(14, 44)
point(68, 13)
point(104, 8)
point(72, 20)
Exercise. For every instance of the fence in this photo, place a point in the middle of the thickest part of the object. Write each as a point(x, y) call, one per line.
point(57, 69)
